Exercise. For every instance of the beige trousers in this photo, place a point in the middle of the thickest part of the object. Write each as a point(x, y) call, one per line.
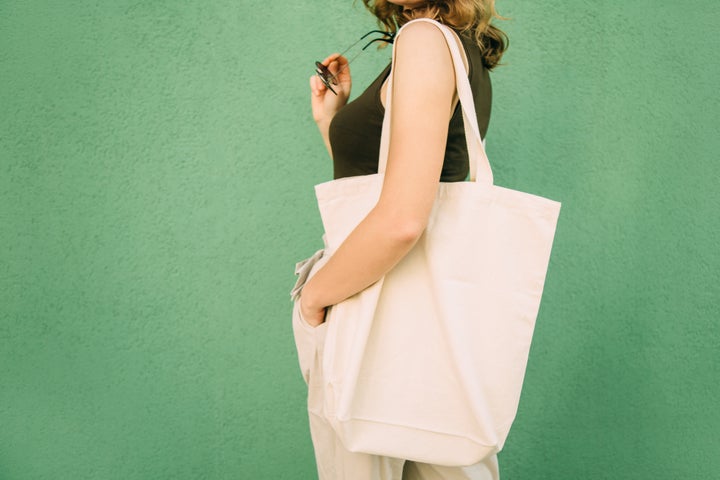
point(334, 462)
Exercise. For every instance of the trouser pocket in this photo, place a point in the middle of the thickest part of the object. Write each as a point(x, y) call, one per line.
point(308, 339)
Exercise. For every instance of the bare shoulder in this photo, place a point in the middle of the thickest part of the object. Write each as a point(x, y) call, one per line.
point(421, 34)
point(423, 58)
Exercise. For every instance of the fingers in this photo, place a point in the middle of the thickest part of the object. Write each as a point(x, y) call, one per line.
point(334, 67)
point(335, 63)
point(334, 57)
point(317, 87)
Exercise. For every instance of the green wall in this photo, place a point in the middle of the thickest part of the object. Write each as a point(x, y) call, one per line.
point(156, 168)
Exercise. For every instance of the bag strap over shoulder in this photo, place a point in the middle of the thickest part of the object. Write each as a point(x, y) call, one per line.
point(480, 170)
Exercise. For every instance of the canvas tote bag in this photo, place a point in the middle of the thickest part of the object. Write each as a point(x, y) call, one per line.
point(427, 364)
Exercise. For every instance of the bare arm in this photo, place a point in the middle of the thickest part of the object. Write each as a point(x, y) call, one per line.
point(422, 96)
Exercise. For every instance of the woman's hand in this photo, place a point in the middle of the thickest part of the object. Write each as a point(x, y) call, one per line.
point(314, 316)
point(325, 104)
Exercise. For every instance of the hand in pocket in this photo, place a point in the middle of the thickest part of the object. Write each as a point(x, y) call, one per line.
point(312, 317)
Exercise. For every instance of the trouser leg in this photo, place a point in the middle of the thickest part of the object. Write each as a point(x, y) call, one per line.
point(486, 470)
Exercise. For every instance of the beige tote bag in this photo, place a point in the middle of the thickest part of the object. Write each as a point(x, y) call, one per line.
point(427, 364)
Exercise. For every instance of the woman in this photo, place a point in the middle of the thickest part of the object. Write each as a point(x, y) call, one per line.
point(427, 146)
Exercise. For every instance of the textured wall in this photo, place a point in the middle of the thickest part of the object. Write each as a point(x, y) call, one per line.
point(156, 168)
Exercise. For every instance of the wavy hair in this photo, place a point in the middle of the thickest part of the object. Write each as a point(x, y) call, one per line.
point(472, 16)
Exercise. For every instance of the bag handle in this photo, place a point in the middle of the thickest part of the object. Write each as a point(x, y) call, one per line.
point(480, 170)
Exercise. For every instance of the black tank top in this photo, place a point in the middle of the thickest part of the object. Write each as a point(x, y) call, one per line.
point(356, 128)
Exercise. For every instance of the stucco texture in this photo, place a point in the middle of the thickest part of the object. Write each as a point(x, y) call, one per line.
point(157, 161)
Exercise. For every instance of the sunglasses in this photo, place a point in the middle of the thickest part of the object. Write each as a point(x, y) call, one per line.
point(327, 76)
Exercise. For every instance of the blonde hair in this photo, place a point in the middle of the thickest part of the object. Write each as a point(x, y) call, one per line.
point(464, 15)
